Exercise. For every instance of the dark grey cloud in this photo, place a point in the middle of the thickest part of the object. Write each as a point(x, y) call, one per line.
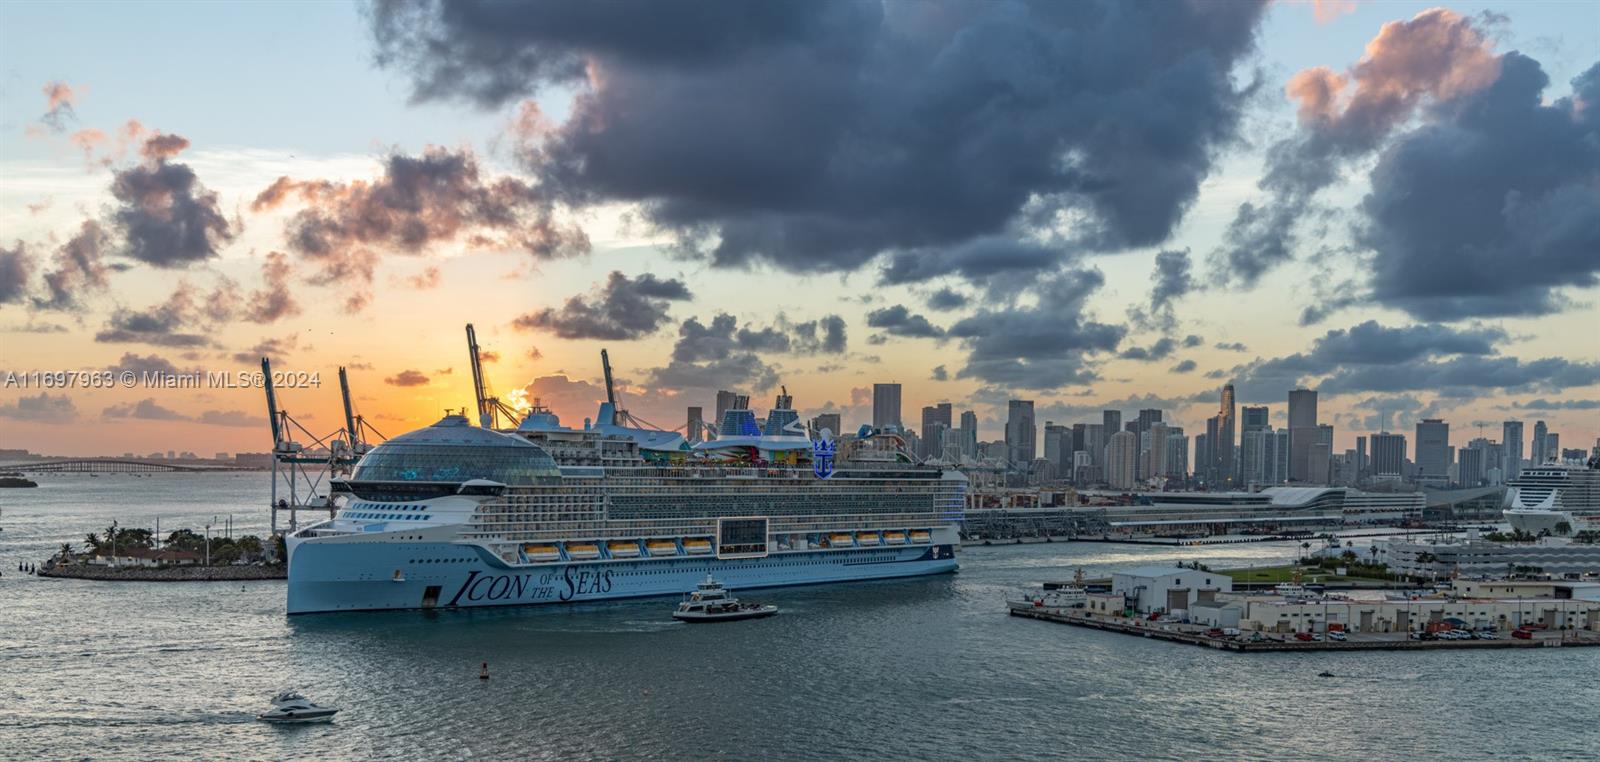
point(41, 408)
point(1373, 343)
point(1193, 340)
point(814, 136)
point(897, 320)
point(143, 364)
point(439, 196)
point(939, 373)
point(275, 349)
point(146, 409)
point(78, 267)
point(718, 355)
point(826, 335)
point(1496, 212)
point(164, 216)
point(622, 309)
point(172, 323)
point(1169, 282)
point(1544, 404)
point(58, 111)
point(16, 269)
point(1160, 350)
point(1424, 64)
point(275, 300)
point(1187, 366)
point(946, 299)
point(1232, 346)
point(1044, 346)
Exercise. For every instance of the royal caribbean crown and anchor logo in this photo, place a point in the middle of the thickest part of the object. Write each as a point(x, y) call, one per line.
point(822, 458)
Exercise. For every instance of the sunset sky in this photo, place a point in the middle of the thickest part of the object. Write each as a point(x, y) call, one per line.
point(1085, 204)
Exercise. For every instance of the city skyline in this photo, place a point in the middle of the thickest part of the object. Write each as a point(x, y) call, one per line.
point(1061, 290)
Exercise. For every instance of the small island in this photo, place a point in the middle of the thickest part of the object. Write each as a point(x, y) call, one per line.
point(136, 554)
point(13, 479)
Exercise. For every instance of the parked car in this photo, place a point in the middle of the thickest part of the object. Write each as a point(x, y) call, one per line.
point(1486, 635)
point(1337, 635)
point(1230, 631)
point(1522, 634)
point(1215, 632)
point(1303, 636)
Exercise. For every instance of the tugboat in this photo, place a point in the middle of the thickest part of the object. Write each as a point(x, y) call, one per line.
point(710, 602)
point(292, 708)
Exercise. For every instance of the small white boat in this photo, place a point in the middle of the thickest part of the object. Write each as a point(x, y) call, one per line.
point(623, 549)
point(710, 602)
point(582, 551)
point(697, 546)
point(867, 539)
point(661, 547)
point(292, 708)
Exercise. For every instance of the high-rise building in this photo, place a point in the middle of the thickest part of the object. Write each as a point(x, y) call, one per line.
point(1472, 466)
point(1202, 456)
point(1020, 434)
point(1079, 432)
point(1511, 453)
point(1254, 418)
point(1120, 455)
point(886, 406)
point(1212, 465)
point(696, 429)
point(969, 434)
point(1257, 456)
point(1319, 464)
point(1177, 453)
point(934, 423)
point(1388, 454)
point(1227, 436)
point(830, 421)
point(1538, 453)
point(725, 402)
point(1153, 451)
point(1112, 420)
point(1433, 446)
point(1302, 431)
point(1552, 446)
point(1094, 442)
point(1058, 447)
point(1280, 452)
point(1361, 458)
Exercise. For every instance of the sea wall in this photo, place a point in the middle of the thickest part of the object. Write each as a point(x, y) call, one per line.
point(168, 574)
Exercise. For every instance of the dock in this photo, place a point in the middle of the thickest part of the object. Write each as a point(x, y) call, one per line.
point(1357, 641)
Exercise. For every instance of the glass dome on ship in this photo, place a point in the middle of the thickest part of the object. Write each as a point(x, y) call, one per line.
point(455, 451)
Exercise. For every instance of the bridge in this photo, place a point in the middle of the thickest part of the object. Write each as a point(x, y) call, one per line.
point(113, 466)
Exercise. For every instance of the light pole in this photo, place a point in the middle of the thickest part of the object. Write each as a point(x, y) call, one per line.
point(208, 545)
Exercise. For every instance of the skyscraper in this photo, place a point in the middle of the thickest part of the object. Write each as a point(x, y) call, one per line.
point(1256, 456)
point(1202, 456)
point(1254, 418)
point(1212, 465)
point(1177, 458)
point(1094, 442)
point(1538, 453)
point(1280, 456)
point(1361, 457)
point(1388, 454)
point(1020, 434)
point(725, 402)
point(1112, 420)
point(969, 434)
point(1472, 465)
point(1120, 454)
point(1511, 442)
point(696, 426)
point(1153, 451)
point(829, 421)
point(1552, 446)
point(1223, 445)
point(1433, 457)
point(886, 406)
point(1302, 431)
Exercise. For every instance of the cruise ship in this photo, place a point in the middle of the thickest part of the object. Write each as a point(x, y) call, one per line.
point(1545, 497)
point(455, 515)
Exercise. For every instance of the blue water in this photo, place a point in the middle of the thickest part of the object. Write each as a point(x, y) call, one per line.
point(930, 668)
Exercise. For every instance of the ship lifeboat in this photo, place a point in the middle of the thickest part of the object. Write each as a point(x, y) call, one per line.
point(623, 548)
point(661, 547)
point(582, 550)
point(840, 541)
point(921, 536)
point(894, 538)
point(541, 552)
point(867, 539)
point(697, 546)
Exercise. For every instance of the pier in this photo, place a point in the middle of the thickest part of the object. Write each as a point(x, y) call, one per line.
point(1195, 635)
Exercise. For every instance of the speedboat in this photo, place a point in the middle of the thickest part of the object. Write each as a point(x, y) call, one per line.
point(290, 707)
point(710, 602)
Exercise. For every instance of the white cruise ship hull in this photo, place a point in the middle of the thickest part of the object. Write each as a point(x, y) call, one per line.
point(370, 573)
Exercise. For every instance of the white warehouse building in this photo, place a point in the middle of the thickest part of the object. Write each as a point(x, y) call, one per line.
point(1168, 588)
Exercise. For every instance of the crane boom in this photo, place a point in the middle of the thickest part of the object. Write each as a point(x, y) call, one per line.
point(272, 402)
point(351, 432)
point(485, 414)
point(611, 392)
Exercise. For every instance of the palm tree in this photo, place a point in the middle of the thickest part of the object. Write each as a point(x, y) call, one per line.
point(91, 543)
point(1563, 528)
point(66, 550)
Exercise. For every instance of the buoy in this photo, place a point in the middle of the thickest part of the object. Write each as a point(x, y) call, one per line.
point(483, 672)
